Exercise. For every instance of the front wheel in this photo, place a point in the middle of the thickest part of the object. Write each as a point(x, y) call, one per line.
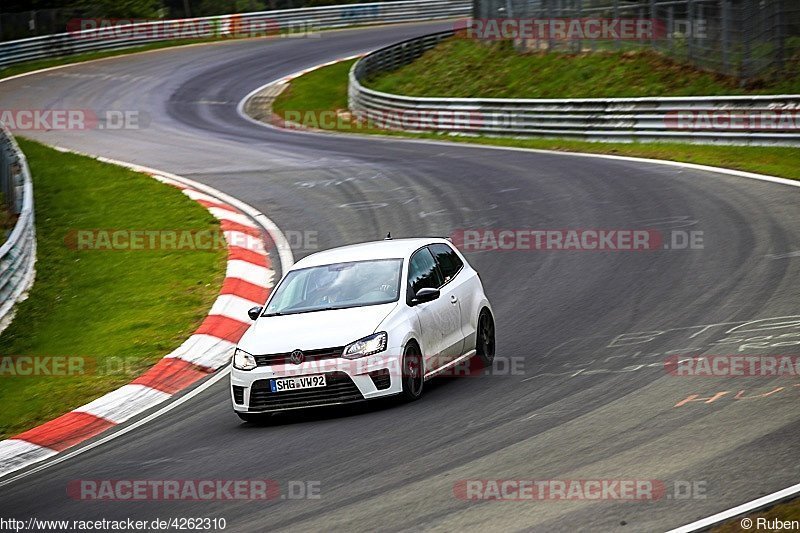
point(413, 376)
point(485, 342)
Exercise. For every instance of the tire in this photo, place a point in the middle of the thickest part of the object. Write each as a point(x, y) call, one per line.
point(413, 375)
point(254, 418)
point(485, 345)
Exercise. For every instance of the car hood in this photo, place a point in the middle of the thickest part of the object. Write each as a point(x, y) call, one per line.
point(314, 330)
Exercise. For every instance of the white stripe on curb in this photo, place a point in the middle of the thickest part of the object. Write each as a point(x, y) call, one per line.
point(191, 193)
point(15, 454)
point(249, 272)
point(224, 214)
point(124, 403)
point(233, 306)
point(204, 350)
point(245, 240)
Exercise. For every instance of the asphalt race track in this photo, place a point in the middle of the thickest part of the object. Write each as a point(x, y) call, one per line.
point(586, 403)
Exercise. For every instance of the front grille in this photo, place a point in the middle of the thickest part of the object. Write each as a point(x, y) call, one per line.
point(381, 379)
point(238, 394)
point(310, 355)
point(339, 388)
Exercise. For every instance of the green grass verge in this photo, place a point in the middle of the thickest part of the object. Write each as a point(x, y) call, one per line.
point(125, 309)
point(469, 69)
point(325, 90)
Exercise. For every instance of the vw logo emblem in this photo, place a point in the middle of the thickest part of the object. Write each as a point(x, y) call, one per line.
point(297, 357)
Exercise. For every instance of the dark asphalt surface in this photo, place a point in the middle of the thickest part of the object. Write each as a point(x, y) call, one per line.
point(587, 404)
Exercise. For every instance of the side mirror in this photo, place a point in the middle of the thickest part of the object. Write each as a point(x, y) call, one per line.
point(425, 295)
point(254, 312)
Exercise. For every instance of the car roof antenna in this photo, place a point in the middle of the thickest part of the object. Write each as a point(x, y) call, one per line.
point(388, 236)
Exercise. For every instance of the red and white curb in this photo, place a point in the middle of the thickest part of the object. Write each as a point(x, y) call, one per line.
point(280, 82)
point(250, 236)
point(290, 77)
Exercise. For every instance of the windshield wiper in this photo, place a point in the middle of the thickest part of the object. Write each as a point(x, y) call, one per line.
point(280, 313)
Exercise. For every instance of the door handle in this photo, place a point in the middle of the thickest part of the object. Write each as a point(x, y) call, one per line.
point(453, 299)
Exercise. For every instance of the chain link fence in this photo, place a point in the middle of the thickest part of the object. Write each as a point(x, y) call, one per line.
point(742, 38)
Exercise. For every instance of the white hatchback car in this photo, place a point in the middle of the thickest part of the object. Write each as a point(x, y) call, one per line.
point(360, 322)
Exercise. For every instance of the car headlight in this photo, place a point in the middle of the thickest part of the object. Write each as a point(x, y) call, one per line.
point(367, 346)
point(243, 360)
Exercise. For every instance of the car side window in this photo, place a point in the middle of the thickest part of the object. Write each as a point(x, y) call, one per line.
point(423, 272)
point(447, 259)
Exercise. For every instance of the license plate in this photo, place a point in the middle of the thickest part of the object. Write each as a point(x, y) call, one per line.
point(301, 382)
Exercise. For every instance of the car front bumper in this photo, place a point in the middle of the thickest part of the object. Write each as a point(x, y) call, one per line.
point(347, 381)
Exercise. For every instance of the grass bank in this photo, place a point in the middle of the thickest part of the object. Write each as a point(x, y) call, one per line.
point(121, 310)
point(325, 91)
point(466, 68)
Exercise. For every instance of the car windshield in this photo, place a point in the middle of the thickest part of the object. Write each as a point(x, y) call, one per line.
point(337, 286)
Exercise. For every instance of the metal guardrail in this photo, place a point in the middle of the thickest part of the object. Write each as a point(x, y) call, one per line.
point(18, 253)
point(250, 24)
point(769, 120)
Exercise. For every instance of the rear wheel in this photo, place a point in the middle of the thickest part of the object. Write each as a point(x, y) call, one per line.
point(485, 341)
point(413, 376)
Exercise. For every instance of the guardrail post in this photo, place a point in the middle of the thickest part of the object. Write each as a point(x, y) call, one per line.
point(746, 21)
point(671, 28)
point(725, 37)
point(777, 19)
point(653, 18)
point(690, 25)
